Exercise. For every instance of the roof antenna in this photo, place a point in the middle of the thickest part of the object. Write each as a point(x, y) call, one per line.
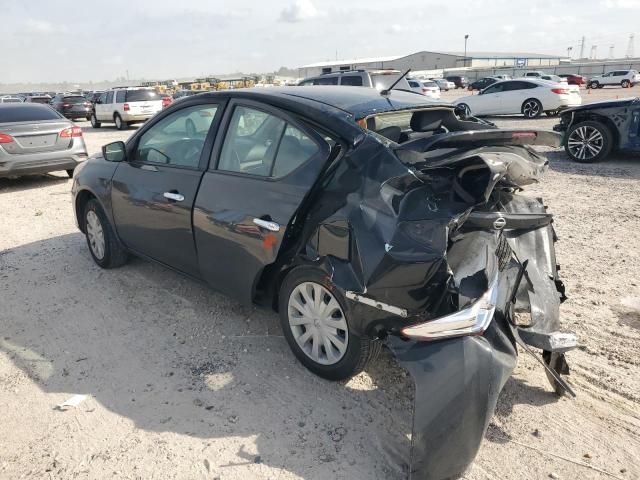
point(387, 91)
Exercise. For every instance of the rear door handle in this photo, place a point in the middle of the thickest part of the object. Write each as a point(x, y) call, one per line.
point(176, 197)
point(272, 226)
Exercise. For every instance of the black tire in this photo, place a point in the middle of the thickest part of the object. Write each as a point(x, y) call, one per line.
point(625, 84)
point(593, 85)
point(531, 108)
point(94, 121)
point(552, 113)
point(70, 172)
point(465, 108)
point(600, 86)
point(115, 254)
point(360, 350)
point(557, 362)
point(120, 124)
point(574, 135)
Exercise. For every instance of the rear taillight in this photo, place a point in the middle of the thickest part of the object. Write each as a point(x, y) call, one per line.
point(126, 107)
point(166, 101)
point(560, 91)
point(5, 138)
point(71, 132)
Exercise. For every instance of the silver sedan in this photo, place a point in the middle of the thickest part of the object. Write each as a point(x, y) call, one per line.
point(35, 139)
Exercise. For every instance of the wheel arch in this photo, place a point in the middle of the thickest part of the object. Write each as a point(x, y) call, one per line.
point(81, 199)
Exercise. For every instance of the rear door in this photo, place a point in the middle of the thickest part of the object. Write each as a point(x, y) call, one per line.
point(262, 168)
point(515, 93)
point(154, 191)
point(104, 111)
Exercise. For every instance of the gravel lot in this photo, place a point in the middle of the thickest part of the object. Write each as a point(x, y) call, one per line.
point(185, 383)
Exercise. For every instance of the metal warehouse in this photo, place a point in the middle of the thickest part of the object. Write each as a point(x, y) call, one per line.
point(425, 60)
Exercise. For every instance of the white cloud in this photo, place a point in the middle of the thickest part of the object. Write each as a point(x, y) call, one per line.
point(299, 11)
point(33, 25)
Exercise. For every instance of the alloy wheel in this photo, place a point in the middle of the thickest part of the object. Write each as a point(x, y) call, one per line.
point(531, 109)
point(585, 142)
point(95, 234)
point(318, 323)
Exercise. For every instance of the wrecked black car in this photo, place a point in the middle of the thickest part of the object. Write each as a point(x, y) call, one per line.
point(591, 132)
point(363, 218)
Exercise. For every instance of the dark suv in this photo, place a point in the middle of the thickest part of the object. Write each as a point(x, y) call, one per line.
point(71, 106)
point(460, 81)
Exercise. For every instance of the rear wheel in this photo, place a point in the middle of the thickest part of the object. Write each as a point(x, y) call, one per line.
point(594, 85)
point(464, 108)
point(120, 124)
point(94, 121)
point(70, 173)
point(315, 321)
point(588, 142)
point(532, 108)
point(104, 246)
point(625, 83)
point(552, 113)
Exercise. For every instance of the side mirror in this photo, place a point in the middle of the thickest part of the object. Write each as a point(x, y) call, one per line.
point(114, 152)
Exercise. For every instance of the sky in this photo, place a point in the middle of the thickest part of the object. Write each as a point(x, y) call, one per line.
point(58, 40)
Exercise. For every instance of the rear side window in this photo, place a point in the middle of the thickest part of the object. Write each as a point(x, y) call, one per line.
point(352, 80)
point(414, 84)
point(26, 112)
point(262, 144)
point(141, 95)
point(109, 97)
point(326, 81)
point(120, 96)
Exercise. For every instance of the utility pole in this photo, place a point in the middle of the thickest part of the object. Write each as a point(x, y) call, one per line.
point(466, 37)
point(582, 47)
point(630, 47)
point(611, 51)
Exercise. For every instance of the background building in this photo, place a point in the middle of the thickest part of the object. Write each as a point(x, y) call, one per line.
point(425, 60)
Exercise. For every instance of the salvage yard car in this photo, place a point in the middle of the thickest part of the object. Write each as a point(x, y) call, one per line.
point(125, 106)
point(34, 139)
point(360, 217)
point(530, 97)
point(620, 78)
point(591, 132)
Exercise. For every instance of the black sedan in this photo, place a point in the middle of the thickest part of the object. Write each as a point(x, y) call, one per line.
point(362, 218)
point(591, 132)
point(483, 83)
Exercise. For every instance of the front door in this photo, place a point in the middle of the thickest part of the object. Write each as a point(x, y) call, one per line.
point(154, 191)
point(266, 164)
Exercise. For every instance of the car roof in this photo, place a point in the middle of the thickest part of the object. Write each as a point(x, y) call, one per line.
point(359, 102)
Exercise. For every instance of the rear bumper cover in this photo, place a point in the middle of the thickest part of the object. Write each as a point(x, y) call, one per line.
point(33, 164)
point(457, 383)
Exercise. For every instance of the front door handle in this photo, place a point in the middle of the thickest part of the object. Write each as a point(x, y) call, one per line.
point(272, 226)
point(176, 197)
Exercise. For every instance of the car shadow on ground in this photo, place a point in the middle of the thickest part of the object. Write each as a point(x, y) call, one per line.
point(29, 182)
point(618, 165)
point(173, 356)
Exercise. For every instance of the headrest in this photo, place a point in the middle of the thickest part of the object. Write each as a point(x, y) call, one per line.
point(426, 121)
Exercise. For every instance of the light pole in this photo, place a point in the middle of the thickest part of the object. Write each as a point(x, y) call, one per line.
point(466, 37)
point(569, 51)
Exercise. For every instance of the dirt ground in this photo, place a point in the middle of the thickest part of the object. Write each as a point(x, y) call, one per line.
point(184, 383)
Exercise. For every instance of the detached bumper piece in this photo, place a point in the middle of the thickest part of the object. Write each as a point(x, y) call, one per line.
point(457, 383)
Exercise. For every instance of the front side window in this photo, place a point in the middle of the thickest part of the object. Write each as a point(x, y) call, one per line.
point(259, 143)
point(178, 139)
point(496, 88)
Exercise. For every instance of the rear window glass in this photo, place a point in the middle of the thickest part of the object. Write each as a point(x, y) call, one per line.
point(352, 80)
point(74, 99)
point(142, 95)
point(26, 113)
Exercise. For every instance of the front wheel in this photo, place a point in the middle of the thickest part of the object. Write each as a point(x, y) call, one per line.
point(315, 321)
point(532, 108)
point(94, 121)
point(588, 142)
point(464, 109)
point(104, 246)
point(70, 172)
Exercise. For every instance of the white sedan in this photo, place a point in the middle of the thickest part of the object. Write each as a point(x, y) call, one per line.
point(427, 88)
point(529, 97)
